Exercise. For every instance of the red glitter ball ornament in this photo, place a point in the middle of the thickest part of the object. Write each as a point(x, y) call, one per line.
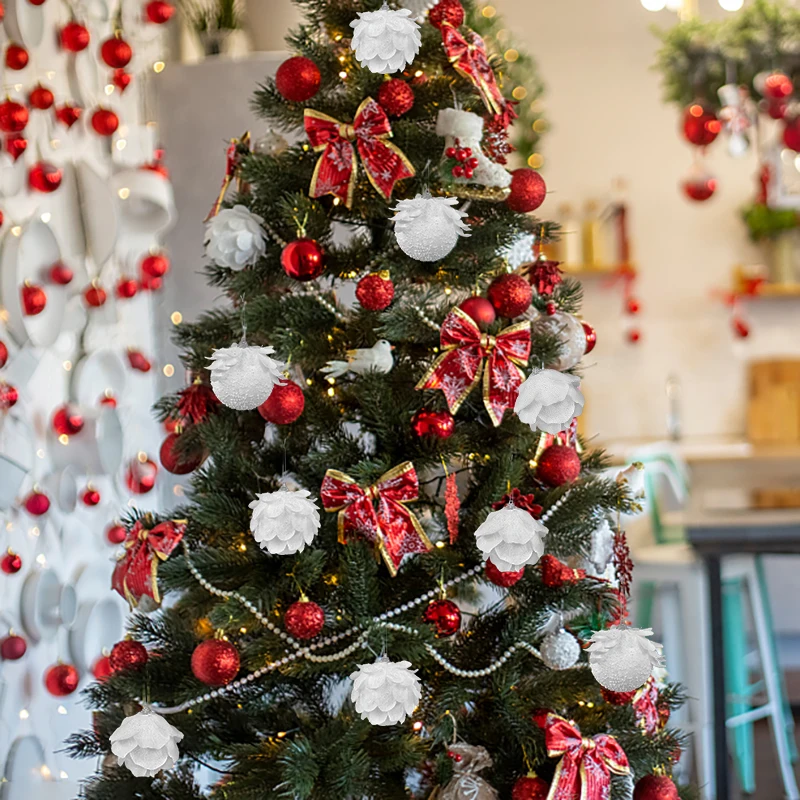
point(303, 259)
point(178, 463)
point(791, 133)
point(304, 619)
point(480, 309)
point(617, 698)
point(156, 265)
point(8, 396)
point(197, 401)
point(655, 787)
point(116, 52)
point(530, 787)
point(396, 97)
point(450, 12)
point(121, 79)
point(116, 533)
point(102, 668)
point(37, 503)
point(140, 476)
point(504, 579)
point(159, 11)
point(3, 355)
point(44, 177)
point(700, 125)
point(298, 79)
point(105, 122)
point(95, 295)
point(61, 680)
point(591, 336)
point(139, 360)
point(90, 497)
point(284, 404)
point(13, 647)
point(16, 57)
point(13, 116)
point(67, 421)
point(16, 145)
point(777, 86)
point(61, 274)
point(528, 190)
point(215, 662)
point(699, 186)
point(74, 37)
point(128, 655)
point(558, 464)
point(34, 299)
point(444, 615)
point(126, 288)
point(68, 114)
point(11, 563)
point(510, 295)
point(41, 97)
point(375, 291)
point(438, 424)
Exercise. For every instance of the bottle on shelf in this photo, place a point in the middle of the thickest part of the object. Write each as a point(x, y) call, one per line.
point(592, 236)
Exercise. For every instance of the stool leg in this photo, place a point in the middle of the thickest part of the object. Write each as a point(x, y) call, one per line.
point(645, 600)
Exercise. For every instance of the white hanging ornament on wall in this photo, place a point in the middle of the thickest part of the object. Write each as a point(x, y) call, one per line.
point(386, 692)
point(146, 743)
point(284, 522)
point(560, 650)
point(511, 538)
point(622, 658)
point(427, 228)
point(386, 40)
point(549, 400)
point(235, 238)
point(243, 376)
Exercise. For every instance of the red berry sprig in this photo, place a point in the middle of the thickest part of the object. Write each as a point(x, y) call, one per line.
point(466, 162)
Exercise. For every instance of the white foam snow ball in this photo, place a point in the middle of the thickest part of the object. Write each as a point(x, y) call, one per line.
point(146, 743)
point(511, 538)
point(427, 228)
point(385, 692)
point(243, 376)
point(235, 238)
point(622, 658)
point(385, 41)
point(549, 400)
point(284, 522)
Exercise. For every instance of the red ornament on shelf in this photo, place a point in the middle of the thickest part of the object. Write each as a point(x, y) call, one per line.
point(140, 476)
point(74, 37)
point(530, 787)
point(126, 288)
point(480, 309)
point(375, 291)
point(617, 698)
point(504, 579)
point(44, 177)
point(116, 533)
point(159, 11)
point(34, 299)
point(95, 295)
point(438, 424)
point(298, 79)
point(446, 11)
point(116, 52)
point(102, 669)
point(215, 662)
point(197, 401)
point(3, 355)
point(61, 680)
point(68, 114)
point(558, 464)
point(105, 122)
point(304, 619)
point(16, 57)
point(700, 125)
point(61, 274)
point(139, 361)
point(13, 647)
point(128, 655)
point(13, 116)
point(591, 336)
point(67, 421)
point(655, 787)
point(156, 265)
point(284, 405)
point(41, 97)
point(8, 396)
point(303, 259)
point(121, 79)
point(396, 97)
point(178, 464)
point(11, 563)
point(444, 615)
point(528, 190)
point(37, 503)
point(90, 497)
point(510, 295)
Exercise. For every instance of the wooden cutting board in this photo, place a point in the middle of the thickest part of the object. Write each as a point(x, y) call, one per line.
point(773, 413)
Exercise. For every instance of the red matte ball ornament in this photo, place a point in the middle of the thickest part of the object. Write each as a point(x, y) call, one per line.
point(700, 125)
point(102, 669)
point(116, 52)
point(67, 421)
point(41, 97)
point(156, 265)
point(503, 579)
point(284, 405)
point(105, 122)
point(158, 11)
point(215, 662)
point(304, 619)
point(61, 680)
point(74, 37)
point(116, 534)
point(44, 177)
point(3, 355)
point(172, 461)
point(13, 647)
point(128, 655)
point(510, 295)
point(95, 295)
point(528, 190)
point(126, 288)
point(558, 464)
point(444, 615)
point(16, 57)
point(480, 309)
point(90, 497)
point(37, 503)
point(298, 79)
point(10, 563)
point(303, 259)
point(61, 274)
point(13, 116)
point(34, 299)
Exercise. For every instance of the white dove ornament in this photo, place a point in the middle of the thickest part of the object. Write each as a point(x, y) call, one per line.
point(377, 358)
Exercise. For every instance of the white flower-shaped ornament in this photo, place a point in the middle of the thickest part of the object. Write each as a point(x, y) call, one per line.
point(385, 41)
point(243, 376)
point(146, 743)
point(284, 522)
point(235, 238)
point(511, 538)
point(385, 692)
point(549, 400)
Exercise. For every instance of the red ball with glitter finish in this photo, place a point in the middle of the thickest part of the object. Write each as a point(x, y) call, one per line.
point(3, 355)
point(74, 37)
point(11, 563)
point(140, 476)
point(12, 648)
point(156, 265)
point(37, 503)
point(304, 619)
point(95, 295)
point(41, 97)
point(396, 97)
point(558, 465)
point(700, 125)
point(655, 787)
point(158, 11)
point(139, 361)
point(8, 396)
point(61, 274)
point(128, 655)
point(90, 497)
point(528, 190)
point(444, 615)
point(591, 336)
point(499, 578)
point(215, 662)
point(61, 680)
point(116, 52)
point(375, 291)
point(303, 259)
point(126, 288)
point(67, 421)
point(298, 79)
point(13, 116)
point(438, 424)
point(34, 299)
point(44, 177)
point(530, 787)
point(16, 57)
point(446, 11)
point(700, 188)
point(116, 534)
point(105, 122)
point(617, 698)
point(16, 145)
point(510, 295)
point(102, 668)
point(175, 463)
point(480, 309)
point(68, 114)
point(284, 404)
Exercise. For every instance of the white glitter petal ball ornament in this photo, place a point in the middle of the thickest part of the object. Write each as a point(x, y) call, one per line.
point(427, 228)
point(560, 650)
point(146, 743)
point(235, 238)
point(284, 522)
point(549, 400)
point(622, 658)
point(243, 376)
point(385, 41)
point(511, 538)
point(386, 692)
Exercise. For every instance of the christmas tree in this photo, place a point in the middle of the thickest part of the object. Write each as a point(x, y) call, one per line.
point(395, 545)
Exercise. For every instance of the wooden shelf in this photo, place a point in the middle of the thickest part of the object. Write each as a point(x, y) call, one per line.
point(778, 290)
point(597, 270)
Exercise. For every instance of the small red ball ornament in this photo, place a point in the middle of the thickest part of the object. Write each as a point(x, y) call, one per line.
point(116, 52)
point(3, 355)
point(375, 291)
point(121, 79)
point(304, 619)
point(655, 787)
point(37, 503)
point(215, 662)
point(34, 299)
point(67, 421)
point(116, 533)
point(396, 97)
point(107, 399)
point(632, 305)
point(156, 265)
point(499, 578)
point(44, 177)
point(700, 187)
point(298, 79)
point(148, 284)
point(95, 295)
point(61, 680)
point(16, 145)
point(139, 361)
point(74, 37)
point(126, 288)
point(13, 116)
point(172, 461)
point(528, 190)
point(530, 787)
point(140, 476)
point(791, 133)
point(303, 259)
point(105, 122)
point(127, 655)
point(446, 11)
point(11, 563)
point(159, 11)
point(90, 497)
point(510, 295)
point(480, 309)
point(700, 125)
point(13, 647)
point(634, 335)
point(102, 668)
point(438, 424)
point(41, 97)
point(777, 86)
point(558, 465)
point(68, 115)
point(61, 274)
point(740, 327)
point(16, 57)
point(284, 405)
point(591, 336)
point(8, 396)
point(617, 698)
point(444, 615)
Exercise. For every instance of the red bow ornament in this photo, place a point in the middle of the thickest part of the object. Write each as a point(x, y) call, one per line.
point(645, 705)
point(465, 349)
point(137, 569)
point(393, 528)
point(335, 173)
point(586, 763)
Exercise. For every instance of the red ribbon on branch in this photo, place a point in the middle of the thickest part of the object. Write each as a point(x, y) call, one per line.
point(237, 149)
point(136, 572)
point(645, 705)
point(335, 173)
point(586, 763)
point(393, 528)
point(468, 354)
